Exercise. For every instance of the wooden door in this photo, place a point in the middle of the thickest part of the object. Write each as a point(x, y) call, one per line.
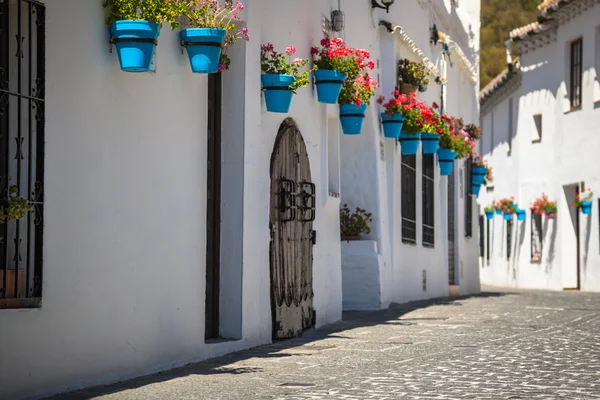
point(291, 217)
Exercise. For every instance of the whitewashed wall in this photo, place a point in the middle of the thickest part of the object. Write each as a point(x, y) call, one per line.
point(565, 156)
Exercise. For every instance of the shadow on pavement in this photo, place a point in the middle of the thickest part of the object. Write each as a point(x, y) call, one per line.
point(224, 365)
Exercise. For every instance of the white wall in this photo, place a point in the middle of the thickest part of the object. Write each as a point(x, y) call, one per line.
point(565, 156)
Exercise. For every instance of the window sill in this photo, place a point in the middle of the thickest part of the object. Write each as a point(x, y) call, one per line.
point(428, 246)
point(573, 109)
point(536, 141)
point(535, 261)
point(409, 242)
point(21, 304)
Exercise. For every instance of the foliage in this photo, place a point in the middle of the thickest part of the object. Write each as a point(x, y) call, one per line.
point(489, 176)
point(581, 198)
point(333, 54)
point(506, 205)
point(158, 11)
point(412, 73)
point(489, 208)
point(209, 14)
point(354, 224)
point(273, 62)
point(542, 205)
point(457, 140)
point(418, 116)
point(13, 206)
point(473, 131)
point(498, 18)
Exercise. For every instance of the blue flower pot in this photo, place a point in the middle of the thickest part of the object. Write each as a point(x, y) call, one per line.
point(409, 143)
point(352, 118)
point(507, 216)
point(489, 215)
point(498, 212)
point(521, 214)
point(135, 41)
point(392, 126)
point(203, 47)
point(430, 142)
point(475, 189)
point(278, 95)
point(329, 84)
point(446, 160)
point(586, 207)
point(478, 175)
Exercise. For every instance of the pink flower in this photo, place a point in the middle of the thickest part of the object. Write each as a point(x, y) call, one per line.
point(290, 50)
point(371, 64)
point(239, 6)
point(222, 68)
point(297, 61)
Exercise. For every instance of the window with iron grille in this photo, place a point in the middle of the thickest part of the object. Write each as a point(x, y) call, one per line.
point(409, 199)
point(468, 199)
point(509, 225)
point(428, 200)
point(488, 249)
point(536, 237)
point(576, 72)
point(481, 237)
point(22, 93)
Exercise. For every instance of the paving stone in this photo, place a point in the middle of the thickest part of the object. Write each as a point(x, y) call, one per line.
point(498, 345)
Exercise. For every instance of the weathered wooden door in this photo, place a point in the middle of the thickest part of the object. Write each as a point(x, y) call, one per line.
point(291, 217)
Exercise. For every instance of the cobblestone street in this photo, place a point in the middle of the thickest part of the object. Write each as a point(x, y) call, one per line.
point(499, 345)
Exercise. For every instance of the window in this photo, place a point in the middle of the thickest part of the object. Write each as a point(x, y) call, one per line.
point(536, 237)
point(468, 199)
point(22, 93)
point(575, 74)
point(509, 225)
point(538, 126)
point(481, 236)
point(487, 241)
point(428, 200)
point(409, 201)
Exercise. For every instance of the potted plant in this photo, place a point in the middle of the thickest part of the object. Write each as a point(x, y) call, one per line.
point(454, 144)
point(508, 207)
point(392, 118)
point(418, 119)
point(432, 128)
point(333, 61)
point(473, 131)
point(521, 214)
point(135, 27)
point(412, 76)
point(479, 170)
point(281, 77)
point(542, 205)
point(211, 30)
point(353, 224)
point(583, 201)
point(489, 212)
point(13, 206)
point(356, 93)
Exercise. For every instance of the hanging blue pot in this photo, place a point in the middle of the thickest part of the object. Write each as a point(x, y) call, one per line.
point(352, 118)
point(446, 160)
point(521, 214)
point(203, 47)
point(392, 126)
point(430, 142)
point(498, 212)
point(475, 189)
point(586, 207)
point(507, 216)
point(278, 95)
point(409, 143)
point(136, 42)
point(329, 84)
point(489, 214)
point(478, 174)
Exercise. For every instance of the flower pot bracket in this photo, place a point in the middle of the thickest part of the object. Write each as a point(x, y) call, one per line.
point(186, 43)
point(353, 115)
point(114, 41)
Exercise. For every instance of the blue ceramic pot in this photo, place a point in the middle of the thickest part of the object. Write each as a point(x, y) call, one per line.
point(135, 41)
point(430, 142)
point(392, 126)
point(278, 95)
point(489, 215)
point(478, 175)
point(329, 84)
point(409, 143)
point(352, 118)
point(507, 216)
point(475, 189)
point(521, 214)
point(498, 212)
point(203, 47)
point(446, 160)
point(586, 207)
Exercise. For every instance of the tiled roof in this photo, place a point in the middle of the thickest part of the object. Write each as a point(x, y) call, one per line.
point(525, 30)
point(547, 4)
point(499, 80)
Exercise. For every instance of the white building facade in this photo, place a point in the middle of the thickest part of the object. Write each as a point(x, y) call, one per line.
point(541, 135)
point(134, 260)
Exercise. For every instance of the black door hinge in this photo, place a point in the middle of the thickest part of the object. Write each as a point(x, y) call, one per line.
point(313, 237)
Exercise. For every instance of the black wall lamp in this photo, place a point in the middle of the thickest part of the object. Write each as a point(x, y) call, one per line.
point(386, 4)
